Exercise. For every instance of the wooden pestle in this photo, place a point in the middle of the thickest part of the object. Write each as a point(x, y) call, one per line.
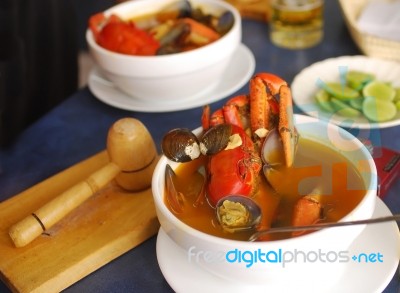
point(133, 157)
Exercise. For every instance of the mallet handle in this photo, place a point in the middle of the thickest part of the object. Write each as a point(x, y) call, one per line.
point(45, 217)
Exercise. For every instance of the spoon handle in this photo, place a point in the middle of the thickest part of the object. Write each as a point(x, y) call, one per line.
point(320, 226)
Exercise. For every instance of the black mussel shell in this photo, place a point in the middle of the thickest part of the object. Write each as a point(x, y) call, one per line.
point(225, 22)
point(200, 16)
point(180, 145)
point(176, 35)
point(169, 49)
point(215, 139)
point(173, 196)
point(177, 9)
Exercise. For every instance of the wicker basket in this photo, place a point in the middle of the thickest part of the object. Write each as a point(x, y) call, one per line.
point(370, 45)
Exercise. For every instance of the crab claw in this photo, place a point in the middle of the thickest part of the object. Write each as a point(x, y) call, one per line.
point(271, 81)
point(259, 107)
point(266, 113)
point(286, 127)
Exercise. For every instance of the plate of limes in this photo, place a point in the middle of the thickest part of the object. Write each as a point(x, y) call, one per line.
point(350, 91)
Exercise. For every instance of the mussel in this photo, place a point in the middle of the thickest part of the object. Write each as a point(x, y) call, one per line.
point(175, 34)
point(225, 23)
point(177, 9)
point(215, 139)
point(179, 190)
point(181, 145)
point(238, 213)
point(174, 197)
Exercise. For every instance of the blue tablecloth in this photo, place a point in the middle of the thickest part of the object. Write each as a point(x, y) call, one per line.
point(77, 129)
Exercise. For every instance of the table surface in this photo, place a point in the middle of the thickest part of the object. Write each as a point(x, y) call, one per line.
point(77, 129)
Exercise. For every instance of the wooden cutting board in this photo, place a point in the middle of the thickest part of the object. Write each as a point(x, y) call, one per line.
point(104, 227)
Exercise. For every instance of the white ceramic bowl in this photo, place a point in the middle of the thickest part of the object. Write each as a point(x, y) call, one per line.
point(172, 77)
point(320, 257)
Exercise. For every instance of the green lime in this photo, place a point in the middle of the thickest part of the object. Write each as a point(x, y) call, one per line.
point(357, 79)
point(357, 103)
point(379, 90)
point(341, 91)
point(378, 110)
point(343, 109)
point(323, 101)
point(397, 96)
point(397, 103)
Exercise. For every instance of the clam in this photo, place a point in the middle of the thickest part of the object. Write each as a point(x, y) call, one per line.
point(273, 157)
point(180, 145)
point(272, 153)
point(238, 213)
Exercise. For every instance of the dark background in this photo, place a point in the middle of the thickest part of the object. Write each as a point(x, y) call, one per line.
point(39, 45)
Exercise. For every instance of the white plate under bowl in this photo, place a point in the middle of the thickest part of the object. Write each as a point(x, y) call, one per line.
point(305, 85)
point(237, 74)
point(383, 238)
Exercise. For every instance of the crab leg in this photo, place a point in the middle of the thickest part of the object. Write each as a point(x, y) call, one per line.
point(259, 107)
point(205, 117)
point(232, 116)
point(233, 112)
point(263, 105)
point(307, 211)
point(286, 127)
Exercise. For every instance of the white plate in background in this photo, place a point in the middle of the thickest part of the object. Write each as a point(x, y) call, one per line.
point(305, 85)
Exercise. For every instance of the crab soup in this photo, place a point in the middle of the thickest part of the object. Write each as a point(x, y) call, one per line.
point(318, 167)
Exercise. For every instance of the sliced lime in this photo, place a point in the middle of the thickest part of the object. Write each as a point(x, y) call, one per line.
point(343, 109)
point(379, 90)
point(397, 103)
point(357, 103)
point(341, 91)
point(397, 96)
point(323, 101)
point(378, 110)
point(357, 79)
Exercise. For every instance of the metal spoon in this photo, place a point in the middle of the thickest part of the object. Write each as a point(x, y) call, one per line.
point(320, 226)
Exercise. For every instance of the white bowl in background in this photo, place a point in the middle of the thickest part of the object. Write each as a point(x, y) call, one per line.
point(171, 77)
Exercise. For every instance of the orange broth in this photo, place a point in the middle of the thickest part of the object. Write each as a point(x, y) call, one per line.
point(315, 164)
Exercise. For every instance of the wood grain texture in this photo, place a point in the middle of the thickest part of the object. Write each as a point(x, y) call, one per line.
point(104, 227)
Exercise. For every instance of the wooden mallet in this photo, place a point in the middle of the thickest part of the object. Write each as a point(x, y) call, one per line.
point(133, 157)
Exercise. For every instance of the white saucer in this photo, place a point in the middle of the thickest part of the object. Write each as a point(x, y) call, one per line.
point(237, 74)
point(184, 276)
